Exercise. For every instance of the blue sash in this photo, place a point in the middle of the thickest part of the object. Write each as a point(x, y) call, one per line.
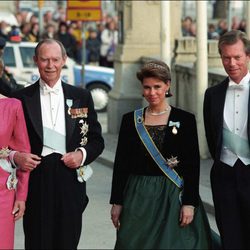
point(153, 151)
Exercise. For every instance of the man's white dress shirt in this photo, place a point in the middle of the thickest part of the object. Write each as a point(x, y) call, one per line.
point(236, 116)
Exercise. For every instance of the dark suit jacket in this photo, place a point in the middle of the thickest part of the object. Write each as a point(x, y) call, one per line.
point(132, 157)
point(30, 98)
point(213, 109)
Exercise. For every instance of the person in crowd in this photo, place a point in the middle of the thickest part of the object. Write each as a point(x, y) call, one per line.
point(243, 25)
point(212, 34)
point(109, 40)
point(49, 32)
point(235, 23)
point(13, 180)
point(187, 26)
point(193, 29)
point(19, 18)
point(25, 30)
point(4, 30)
point(227, 126)
point(59, 15)
point(222, 27)
point(93, 45)
point(7, 82)
point(33, 19)
point(75, 29)
point(100, 27)
point(33, 35)
point(155, 186)
point(68, 40)
point(63, 131)
point(48, 19)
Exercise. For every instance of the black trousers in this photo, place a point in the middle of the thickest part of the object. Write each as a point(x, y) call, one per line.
point(231, 195)
point(54, 207)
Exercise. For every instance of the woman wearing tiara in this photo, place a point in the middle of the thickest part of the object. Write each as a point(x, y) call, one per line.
point(155, 187)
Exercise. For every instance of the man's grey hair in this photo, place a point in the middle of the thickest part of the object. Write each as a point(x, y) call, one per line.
point(50, 41)
point(232, 37)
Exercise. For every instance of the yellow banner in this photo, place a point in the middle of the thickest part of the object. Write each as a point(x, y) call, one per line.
point(83, 4)
point(84, 14)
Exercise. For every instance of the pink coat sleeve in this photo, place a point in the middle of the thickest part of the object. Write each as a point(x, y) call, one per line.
point(20, 142)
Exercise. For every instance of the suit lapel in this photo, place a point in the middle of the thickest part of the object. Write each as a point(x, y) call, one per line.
point(219, 103)
point(33, 105)
point(218, 111)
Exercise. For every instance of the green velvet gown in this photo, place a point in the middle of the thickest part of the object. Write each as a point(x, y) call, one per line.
point(150, 218)
point(150, 215)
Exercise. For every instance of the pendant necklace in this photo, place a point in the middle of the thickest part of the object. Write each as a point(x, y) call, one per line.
point(157, 113)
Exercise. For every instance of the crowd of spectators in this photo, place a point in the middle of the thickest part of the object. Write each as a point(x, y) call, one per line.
point(214, 30)
point(101, 37)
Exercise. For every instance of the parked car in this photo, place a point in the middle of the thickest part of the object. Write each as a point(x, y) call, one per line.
point(18, 57)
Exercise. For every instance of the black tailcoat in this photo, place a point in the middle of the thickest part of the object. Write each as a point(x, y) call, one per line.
point(133, 158)
point(230, 185)
point(56, 199)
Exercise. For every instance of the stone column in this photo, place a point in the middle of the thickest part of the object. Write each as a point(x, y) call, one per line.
point(140, 38)
point(201, 71)
point(166, 54)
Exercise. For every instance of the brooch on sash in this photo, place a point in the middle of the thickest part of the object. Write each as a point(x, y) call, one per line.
point(139, 119)
point(175, 125)
point(4, 152)
point(12, 180)
point(172, 162)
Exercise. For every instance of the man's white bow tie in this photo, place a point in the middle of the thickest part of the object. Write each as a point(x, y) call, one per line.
point(236, 86)
point(47, 91)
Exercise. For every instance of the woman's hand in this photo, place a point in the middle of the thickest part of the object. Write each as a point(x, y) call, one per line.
point(186, 215)
point(115, 215)
point(18, 209)
point(26, 161)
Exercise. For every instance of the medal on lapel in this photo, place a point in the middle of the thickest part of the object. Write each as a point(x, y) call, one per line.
point(174, 130)
point(79, 112)
point(4, 152)
point(175, 125)
point(69, 103)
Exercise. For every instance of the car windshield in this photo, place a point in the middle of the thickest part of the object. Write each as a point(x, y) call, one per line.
point(9, 58)
point(27, 56)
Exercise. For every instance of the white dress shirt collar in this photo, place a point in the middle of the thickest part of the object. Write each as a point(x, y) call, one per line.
point(244, 81)
point(46, 88)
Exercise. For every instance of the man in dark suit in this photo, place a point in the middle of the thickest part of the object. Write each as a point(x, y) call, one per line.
point(227, 125)
point(65, 134)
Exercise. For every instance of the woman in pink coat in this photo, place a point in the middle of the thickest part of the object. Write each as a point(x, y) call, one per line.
point(13, 180)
